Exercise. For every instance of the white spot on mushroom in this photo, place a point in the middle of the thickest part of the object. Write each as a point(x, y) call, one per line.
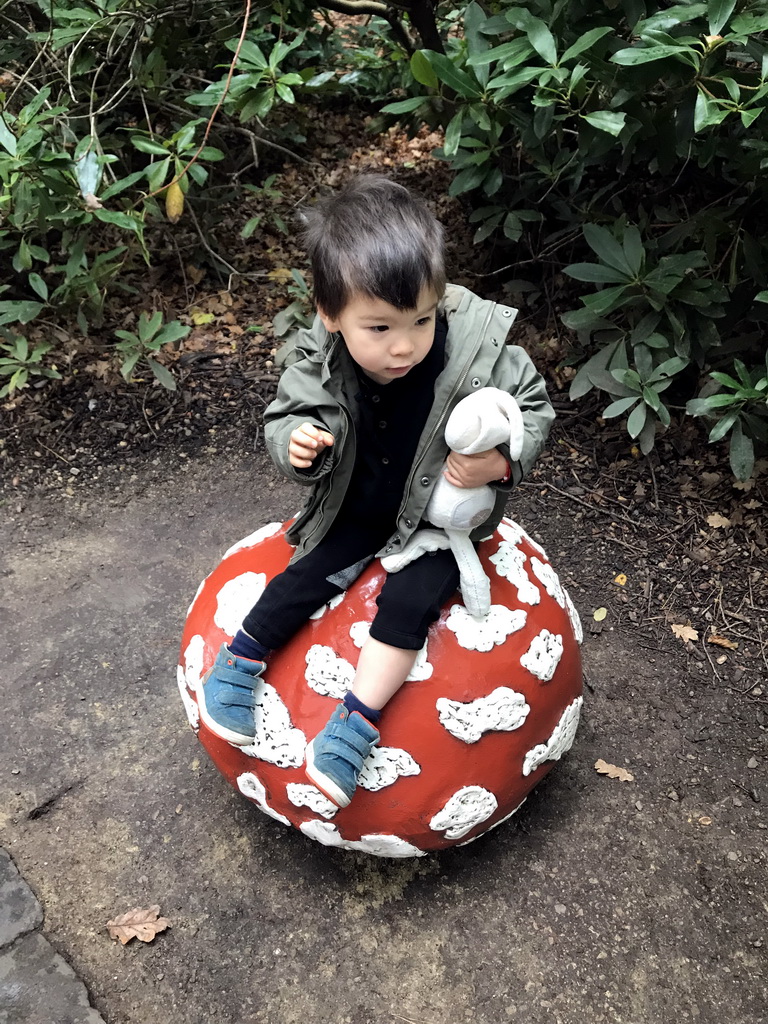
point(559, 742)
point(325, 832)
point(254, 538)
point(385, 765)
point(466, 809)
point(421, 670)
point(512, 531)
point(252, 787)
point(502, 710)
point(318, 613)
point(277, 741)
point(509, 564)
point(193, 661)
point(495, 824)
point(573, 615)
point(544, 572)
point(327, 673)
point(481, 634)
point(543, 656)
point(302, 795)
point(236, 598)
point(190, 706)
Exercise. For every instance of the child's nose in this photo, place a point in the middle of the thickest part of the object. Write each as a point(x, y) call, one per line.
point(402, 345)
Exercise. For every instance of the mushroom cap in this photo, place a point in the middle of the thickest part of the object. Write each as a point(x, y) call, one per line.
point(490, 705)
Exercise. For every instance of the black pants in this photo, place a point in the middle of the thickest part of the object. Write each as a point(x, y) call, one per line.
point(409, 601)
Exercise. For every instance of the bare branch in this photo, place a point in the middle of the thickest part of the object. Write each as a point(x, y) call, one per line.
point(357, 7)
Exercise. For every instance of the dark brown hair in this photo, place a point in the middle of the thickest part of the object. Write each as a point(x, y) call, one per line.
point(373, 238)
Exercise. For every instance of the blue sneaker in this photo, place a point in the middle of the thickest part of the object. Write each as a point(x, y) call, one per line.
point(226, 697)
point(335, 757)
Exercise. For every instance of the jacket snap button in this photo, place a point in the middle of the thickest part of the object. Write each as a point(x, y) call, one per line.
point(385, 461)
point(425, 480)
point(506, 312)
point(408, 523)
point(476, 382)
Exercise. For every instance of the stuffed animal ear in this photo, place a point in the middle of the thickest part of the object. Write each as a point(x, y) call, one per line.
point(484, 419)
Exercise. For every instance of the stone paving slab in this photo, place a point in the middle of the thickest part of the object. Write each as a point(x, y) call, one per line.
point(19, 910)
point(37, 986)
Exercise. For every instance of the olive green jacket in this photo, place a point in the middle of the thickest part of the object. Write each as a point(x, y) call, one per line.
point(319, 387)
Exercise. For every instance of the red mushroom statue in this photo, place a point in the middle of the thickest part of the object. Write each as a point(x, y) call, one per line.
point(489, 707)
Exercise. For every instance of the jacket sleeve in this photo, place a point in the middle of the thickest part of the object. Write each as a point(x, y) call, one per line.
point(514, 372)
point(300, 398)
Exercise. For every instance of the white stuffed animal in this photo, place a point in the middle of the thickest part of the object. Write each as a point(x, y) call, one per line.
point(481, 421)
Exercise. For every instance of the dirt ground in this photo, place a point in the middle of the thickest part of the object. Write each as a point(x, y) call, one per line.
point(601, 901)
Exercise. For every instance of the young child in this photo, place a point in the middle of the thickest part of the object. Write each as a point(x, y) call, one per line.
point(359, 418)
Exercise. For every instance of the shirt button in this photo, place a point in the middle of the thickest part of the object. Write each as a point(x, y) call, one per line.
point(385, 461)
point(382, 424)
point(424, 481)
point(375, 398)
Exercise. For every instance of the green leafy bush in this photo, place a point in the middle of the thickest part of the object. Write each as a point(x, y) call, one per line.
point(142, 346)
point(99, 124)
point(18, 362)
point(636, 133)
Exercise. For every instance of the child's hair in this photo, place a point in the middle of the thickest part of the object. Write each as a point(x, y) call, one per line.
point(373, 238)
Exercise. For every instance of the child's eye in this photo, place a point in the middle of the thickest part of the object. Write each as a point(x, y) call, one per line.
point(379, 328)
point(424, 321)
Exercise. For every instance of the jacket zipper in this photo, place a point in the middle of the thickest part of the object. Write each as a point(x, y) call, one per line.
point(454, 391)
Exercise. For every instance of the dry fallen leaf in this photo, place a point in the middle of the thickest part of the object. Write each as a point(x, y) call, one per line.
point(718, 521)
point(722, 641)
point(613, 772)
point(684, 633)
point(281, 274)
point(138, 924)
point(621, 579)
point(705, 820)
point(199, 317)
point(600, 614)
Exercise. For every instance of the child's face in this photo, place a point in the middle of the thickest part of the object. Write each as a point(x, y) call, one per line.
point(384, 341)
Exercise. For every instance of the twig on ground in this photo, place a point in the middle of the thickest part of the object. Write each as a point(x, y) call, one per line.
point(592, 508)
point(655, 485)
point(144, 412)
point(44, 445)
point(206, 246)
point(711, 663)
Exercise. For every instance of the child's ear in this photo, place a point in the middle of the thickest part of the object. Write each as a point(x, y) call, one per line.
point(330, 325)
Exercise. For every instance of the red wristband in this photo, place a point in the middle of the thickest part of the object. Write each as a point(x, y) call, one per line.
point(507, 475)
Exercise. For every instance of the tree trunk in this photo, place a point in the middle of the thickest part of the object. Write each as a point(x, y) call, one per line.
point(422, 14)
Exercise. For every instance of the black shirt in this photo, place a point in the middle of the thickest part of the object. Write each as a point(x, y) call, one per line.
point(389, 420)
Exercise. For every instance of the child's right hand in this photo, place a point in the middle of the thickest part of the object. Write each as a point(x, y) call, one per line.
point(306, 443)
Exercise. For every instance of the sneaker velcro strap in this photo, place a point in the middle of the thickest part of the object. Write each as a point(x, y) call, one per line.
point(349, 737)
point(237, 690)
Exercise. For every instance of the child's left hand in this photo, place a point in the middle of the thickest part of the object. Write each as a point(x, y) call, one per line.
point(475, 470)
